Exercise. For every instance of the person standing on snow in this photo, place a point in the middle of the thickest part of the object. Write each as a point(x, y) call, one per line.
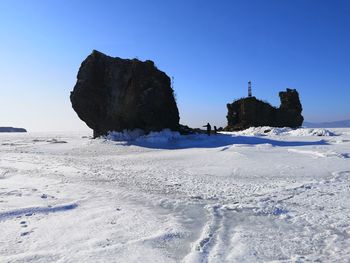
point(208, 128)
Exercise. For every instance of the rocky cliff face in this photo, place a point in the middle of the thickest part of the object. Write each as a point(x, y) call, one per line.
point(251, 112)
point(113, 94)
point(289, 113)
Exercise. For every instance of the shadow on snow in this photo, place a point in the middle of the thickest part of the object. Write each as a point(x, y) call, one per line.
point(220, 140)
point(36, 210)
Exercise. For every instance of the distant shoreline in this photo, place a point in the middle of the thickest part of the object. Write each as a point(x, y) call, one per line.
point(331, 124)
point(12, 129)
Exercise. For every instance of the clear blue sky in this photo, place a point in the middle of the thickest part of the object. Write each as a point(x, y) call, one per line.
point(212, 48)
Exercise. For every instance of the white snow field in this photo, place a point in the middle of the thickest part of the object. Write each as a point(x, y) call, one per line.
point(260, 195)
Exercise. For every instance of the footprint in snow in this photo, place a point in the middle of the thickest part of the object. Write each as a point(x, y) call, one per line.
point(26, 233)
point(225, 148)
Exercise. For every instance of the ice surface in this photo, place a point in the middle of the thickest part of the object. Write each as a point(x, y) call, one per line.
point(260, 195)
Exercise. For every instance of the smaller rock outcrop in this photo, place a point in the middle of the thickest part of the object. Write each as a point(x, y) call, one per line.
point(115, 94)
point(252, 112)
point(12, 129)
point(289, 113)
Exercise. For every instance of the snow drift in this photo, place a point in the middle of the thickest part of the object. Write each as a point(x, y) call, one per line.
point(266, 130)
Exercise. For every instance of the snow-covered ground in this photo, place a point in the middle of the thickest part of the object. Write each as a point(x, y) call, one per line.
point(261, 195)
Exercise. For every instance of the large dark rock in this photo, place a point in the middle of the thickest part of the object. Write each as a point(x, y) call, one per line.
point(113, 94)
point(251, 112)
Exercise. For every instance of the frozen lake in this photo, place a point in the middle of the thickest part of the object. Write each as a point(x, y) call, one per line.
point(260, 195)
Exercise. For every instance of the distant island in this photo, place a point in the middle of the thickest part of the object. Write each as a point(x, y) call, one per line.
point(12, 129)
point(333, 124)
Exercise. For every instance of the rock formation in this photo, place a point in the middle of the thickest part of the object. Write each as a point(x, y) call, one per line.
point(12, 129)
point(251, 112)
point(113, 94)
